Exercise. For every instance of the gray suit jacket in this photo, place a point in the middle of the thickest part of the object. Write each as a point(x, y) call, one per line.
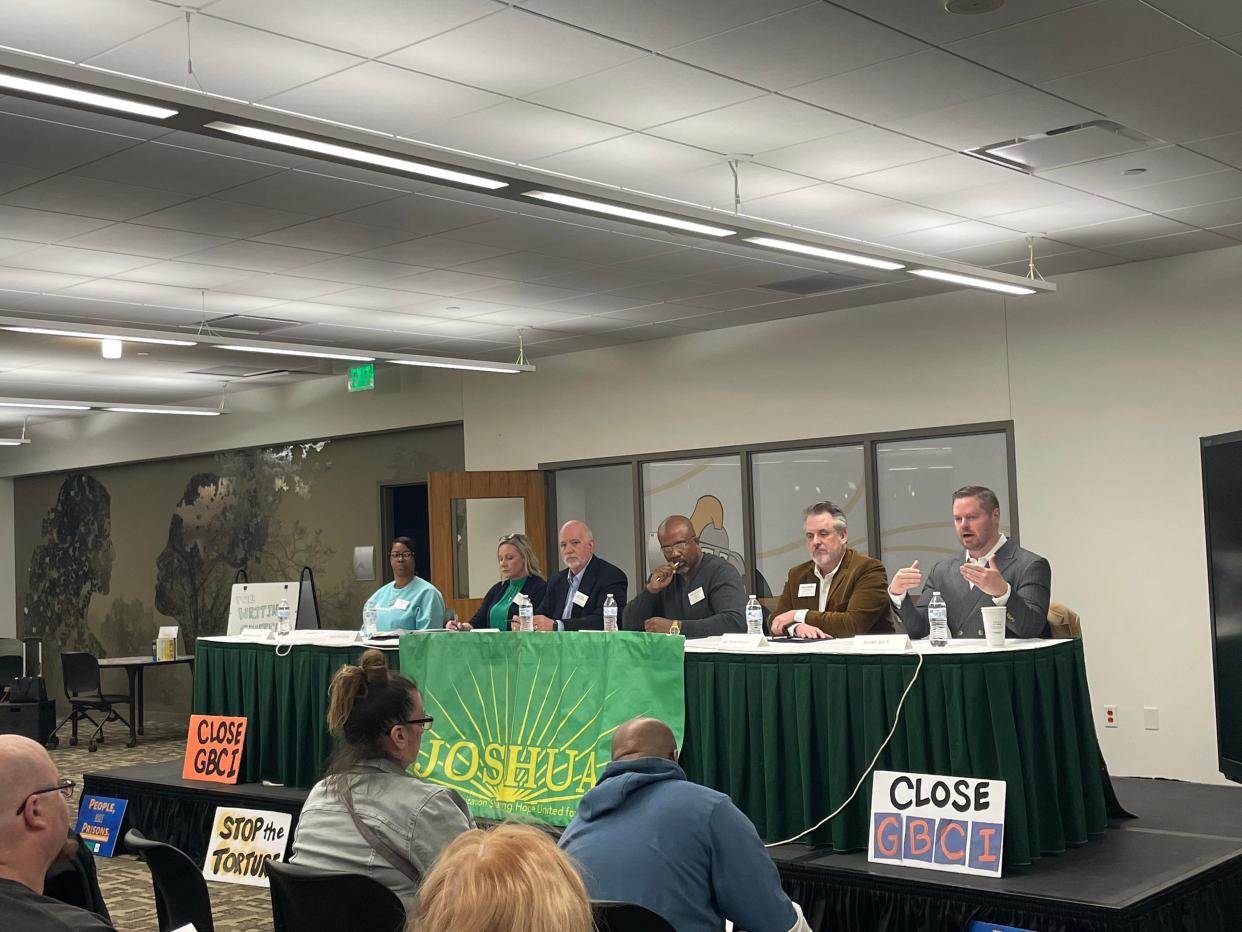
point(1026, 613)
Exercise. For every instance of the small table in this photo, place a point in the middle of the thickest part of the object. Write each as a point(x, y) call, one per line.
point(133, 667)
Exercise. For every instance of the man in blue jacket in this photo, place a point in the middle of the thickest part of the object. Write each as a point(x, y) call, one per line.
point(647, 835)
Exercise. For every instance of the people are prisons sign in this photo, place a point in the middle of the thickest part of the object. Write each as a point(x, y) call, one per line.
point(524, 721)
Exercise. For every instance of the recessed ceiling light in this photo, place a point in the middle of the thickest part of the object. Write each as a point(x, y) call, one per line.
point(195, 412)
point(971, 282)
point(290, 352)
point(629, 213)
point(822, 253)
point(111, 349)
point(78, 96)
point(358, 155)
point(82, 334)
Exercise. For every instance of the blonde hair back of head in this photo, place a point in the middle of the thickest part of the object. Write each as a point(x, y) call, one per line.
point(510, 879)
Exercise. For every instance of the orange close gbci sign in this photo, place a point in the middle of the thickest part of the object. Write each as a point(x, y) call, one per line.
point(213, 748)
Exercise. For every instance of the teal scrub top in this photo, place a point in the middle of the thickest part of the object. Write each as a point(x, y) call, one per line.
point(414, 607)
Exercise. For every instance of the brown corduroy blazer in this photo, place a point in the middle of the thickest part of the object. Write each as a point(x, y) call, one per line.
point(857, 603)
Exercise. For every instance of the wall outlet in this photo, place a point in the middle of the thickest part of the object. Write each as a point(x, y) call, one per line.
point(1110, 716)
point(1151, 718)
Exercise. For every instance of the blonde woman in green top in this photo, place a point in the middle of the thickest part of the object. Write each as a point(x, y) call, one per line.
point(519, 573)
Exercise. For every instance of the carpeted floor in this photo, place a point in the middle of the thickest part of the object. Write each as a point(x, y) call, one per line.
point(125, 882)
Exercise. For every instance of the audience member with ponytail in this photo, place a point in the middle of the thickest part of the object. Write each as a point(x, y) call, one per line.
point(369, 815)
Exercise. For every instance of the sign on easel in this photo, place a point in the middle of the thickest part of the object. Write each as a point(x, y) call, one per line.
point(99, 822)
point(253, 605)
point(213, 748)
point(937, 823)
point(242, 842)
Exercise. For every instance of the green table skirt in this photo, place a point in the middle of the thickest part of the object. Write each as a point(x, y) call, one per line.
point(787, 737)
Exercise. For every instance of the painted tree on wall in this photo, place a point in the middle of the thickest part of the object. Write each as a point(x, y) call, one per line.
point(73, 561)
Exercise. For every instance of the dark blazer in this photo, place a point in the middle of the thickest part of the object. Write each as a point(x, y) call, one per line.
point(535, 586)
point(858, 601)
point(599, 579)
point(1026, 613)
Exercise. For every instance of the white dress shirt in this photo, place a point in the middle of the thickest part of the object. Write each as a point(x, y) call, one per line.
point(825, 583)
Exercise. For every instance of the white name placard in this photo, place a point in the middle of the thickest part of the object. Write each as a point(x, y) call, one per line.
point(737, 641)
point(242, 842)
point(937, 823)
point(881, 643)
point(253, 605)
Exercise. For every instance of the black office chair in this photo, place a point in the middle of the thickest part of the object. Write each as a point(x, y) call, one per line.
point(611, 916)
point(306, 900)
point(10, 670)
point(180, 891)
point(80, 671)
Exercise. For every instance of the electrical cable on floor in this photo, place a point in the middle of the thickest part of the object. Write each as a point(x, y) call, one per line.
point(871, 766)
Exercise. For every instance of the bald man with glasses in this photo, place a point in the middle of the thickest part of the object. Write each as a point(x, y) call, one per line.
point(34, 832)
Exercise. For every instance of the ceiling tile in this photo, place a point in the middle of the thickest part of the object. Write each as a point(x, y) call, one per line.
point(368, 29)
point(525, 317)
point(644, 92)
point(657, 24)
point(231, 60)
point(1062, 264)
point(847, 154)
point(1141, 95)
point(509, 53)
point(306, 192)
point(80, 261)
point(182, 274)
point(1166, 163)
point(380, 299)
point(1008, 251)
point(1105, 235)
point(938, 241)
point(929, 22)
point(346, 337)
point(525, 294)
point(566, 239)
point(1080, 39)
point(175, 168)
point(1079, 210)
point(755, 125)
point(258, 257)
point(802, 45)
point(77, 29)
point(522, 266)
point(1187, 192)
point(357, 271)
point(1218, 18)
point(51, 147)
point(222, 218)
point(1175, 245)
point(1227, 148)
point(87, 197)
point(918, 181)
point(384, 98)
point(929, 79)
point(631, 161)
point(283, 287)
point(447, 282)
point(417, 213)
point(15, 247)
point(436, 252)
point(1018, 192)
point(519, 132)
point(1221, 213)
point(333, 236)
point(16, 176)
point(31, 280)
point(661, 313)
point(993, 119)
point(713, 186)
point(140, 240)
point(43, 226)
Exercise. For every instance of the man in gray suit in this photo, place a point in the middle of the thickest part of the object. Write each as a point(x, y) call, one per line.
point(992, 571)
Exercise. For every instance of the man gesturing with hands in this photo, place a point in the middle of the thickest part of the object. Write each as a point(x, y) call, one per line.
point(993, 570)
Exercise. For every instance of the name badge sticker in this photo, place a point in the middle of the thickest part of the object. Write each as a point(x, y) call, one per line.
point(696, 596)
point(401, 604)
point(580, 598)
point(807, 588)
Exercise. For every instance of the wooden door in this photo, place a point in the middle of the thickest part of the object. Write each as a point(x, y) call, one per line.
point(493, 494)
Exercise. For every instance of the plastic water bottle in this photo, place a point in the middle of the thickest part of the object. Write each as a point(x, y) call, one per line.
point(754, 617)
point(368, 619)
point(610, 613)
point(526, 613)
point(938, 616)
point(282, 618)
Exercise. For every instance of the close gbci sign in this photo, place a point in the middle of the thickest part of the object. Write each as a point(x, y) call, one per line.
point(937, 822)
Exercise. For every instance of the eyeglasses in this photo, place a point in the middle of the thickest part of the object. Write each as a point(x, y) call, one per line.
point(64, 788)
point(401, 555)
point(678, 545)
point(426, 722)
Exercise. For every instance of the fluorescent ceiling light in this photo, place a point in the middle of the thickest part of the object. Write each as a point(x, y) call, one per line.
point(629, 213)
point(12, 441)
point(971, 282)
point(59, 406)
point(197, 412)
point(79, 96)
point(358, 155)
point(289, 352)
point(111, 348)
point(472, 366)
point(822, 253)
point(51, 332)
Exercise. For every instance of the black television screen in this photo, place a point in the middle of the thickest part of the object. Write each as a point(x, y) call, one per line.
point(1222, 514)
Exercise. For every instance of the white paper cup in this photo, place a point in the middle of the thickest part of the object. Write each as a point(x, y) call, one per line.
point(994, 625)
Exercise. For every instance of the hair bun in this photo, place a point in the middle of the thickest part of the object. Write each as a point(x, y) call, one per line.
point(374, 666)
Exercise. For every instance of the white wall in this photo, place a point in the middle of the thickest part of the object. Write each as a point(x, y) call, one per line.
point(8, 591)
point(1110, 383)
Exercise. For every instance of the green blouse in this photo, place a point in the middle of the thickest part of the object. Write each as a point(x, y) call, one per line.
point(498, 614)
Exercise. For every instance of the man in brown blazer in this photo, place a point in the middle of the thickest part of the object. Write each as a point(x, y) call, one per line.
point(839, 592)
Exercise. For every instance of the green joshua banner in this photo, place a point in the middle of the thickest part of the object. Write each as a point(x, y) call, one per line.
point(524, 722)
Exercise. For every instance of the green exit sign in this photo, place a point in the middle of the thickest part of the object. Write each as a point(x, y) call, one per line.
point(362, 378)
